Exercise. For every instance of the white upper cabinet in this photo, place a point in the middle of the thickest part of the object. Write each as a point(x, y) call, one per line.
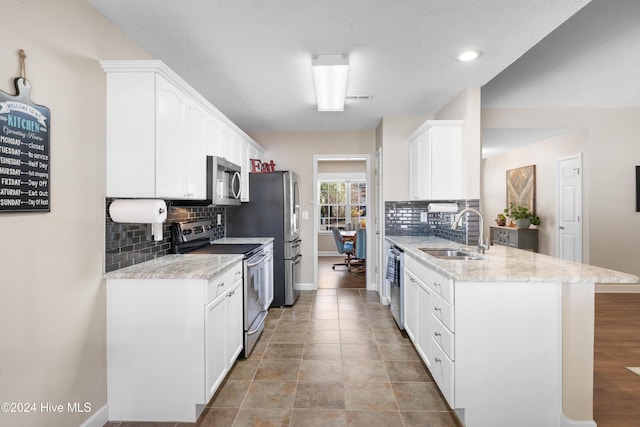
point(435, 163)
point(159, 132)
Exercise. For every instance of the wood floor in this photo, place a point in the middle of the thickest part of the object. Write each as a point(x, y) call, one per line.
point(339, 278)
point(616, 394)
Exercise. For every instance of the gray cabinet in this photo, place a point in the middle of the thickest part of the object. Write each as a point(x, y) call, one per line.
point(521, 238)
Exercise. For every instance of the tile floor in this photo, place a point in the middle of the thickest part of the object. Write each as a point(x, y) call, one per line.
point(336, 358)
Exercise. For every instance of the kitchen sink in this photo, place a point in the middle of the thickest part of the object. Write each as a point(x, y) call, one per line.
point(453, 254)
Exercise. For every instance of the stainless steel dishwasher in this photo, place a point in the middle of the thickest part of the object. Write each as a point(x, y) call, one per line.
point(395, 275)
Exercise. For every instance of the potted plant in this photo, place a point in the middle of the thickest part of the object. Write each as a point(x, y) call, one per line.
point(520, 214)
point(535, 221)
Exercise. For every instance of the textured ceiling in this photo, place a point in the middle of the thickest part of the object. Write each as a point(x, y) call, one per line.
point(252, 58)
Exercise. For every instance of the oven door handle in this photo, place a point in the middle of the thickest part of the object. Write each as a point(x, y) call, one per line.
point(256, 330)
point(253, 264)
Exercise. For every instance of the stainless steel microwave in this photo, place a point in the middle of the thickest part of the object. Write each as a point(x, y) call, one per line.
point(224, 182)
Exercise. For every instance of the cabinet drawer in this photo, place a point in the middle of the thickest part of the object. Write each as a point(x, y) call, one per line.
point(443, 311)
point(222, 282)
point(441, 285)
point(444, 337)
point(442, 370)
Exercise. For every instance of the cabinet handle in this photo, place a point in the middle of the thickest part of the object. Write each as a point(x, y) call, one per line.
point(231, 293)
point(437, 359)
point(437, 334)
point(437, 308)
point(436, 284)
point(412, 279)
point(221, 284)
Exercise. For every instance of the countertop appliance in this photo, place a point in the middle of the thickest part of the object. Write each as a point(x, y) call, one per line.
point(395, 275)
point(273, 211)
point(194, 238)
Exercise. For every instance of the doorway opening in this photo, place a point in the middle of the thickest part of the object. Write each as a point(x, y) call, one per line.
point(340, 199)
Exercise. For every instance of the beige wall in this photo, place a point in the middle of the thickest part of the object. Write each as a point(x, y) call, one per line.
point(392, 135)
point(52, 296)
point(295, 151)
point(611, 154)
point(544, 155)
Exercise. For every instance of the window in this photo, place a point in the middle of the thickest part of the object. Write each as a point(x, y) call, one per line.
point(341, 202)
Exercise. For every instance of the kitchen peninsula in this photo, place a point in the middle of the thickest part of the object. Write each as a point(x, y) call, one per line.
point(508, 337)
point(175, 326)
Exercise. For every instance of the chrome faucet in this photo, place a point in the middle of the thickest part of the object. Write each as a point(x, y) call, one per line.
point(482, 245)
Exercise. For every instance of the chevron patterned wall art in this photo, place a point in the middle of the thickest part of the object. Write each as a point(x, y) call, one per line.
point(521, 187)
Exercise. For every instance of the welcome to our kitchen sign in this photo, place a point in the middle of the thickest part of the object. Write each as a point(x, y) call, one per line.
point(24, 151)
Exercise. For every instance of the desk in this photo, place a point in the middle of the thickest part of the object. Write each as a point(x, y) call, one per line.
point(348, 236)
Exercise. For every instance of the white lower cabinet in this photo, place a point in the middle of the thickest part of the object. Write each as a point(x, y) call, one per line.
point(418, 320)
point(170, 343)
point(223, 336)
point(493, 348)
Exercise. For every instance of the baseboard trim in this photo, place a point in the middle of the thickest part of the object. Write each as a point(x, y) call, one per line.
point(566, 422)
point(618, 288)
point(329, 253)
point(98, 419)
point(304, 286)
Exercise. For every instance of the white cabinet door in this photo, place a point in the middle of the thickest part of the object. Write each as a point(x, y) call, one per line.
point(425, 330)
point(446, 164)
point(215, 344)
point(131, 163)
point(196, 163)
point(420, 160)
point(436, 159)
point(171, 140)
point(411, 306)
point(212, 135)
point(234, 329)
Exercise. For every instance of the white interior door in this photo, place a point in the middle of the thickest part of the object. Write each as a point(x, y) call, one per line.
point(569, 236)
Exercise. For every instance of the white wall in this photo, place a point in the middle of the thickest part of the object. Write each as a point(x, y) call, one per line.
point(544, 155)
point(52, 295)
point(612, 152)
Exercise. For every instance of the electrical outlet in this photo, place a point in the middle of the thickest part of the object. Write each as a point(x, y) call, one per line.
point(424, 217)
point(219, 219)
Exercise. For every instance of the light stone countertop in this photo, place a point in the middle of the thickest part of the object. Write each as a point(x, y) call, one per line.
point(197, 266)
point(506, 264)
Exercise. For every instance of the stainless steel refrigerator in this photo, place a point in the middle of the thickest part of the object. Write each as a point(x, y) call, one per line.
point(273, 211)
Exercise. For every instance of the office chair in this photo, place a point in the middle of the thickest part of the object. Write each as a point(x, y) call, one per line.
point(345, 248)
point(360, 253)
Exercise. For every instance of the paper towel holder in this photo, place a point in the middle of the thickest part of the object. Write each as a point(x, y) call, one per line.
point(140, 211)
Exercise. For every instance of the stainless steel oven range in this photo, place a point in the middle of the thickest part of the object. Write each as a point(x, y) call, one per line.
point(194, 238)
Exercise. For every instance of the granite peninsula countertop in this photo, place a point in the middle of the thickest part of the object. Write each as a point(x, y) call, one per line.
point(506, 264)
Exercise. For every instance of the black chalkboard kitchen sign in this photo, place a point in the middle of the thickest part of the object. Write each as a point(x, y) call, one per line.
point(24, 151)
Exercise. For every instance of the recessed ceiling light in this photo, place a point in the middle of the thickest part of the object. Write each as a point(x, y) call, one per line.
point(469, 55)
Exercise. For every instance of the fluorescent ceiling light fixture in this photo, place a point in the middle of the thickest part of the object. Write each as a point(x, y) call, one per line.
point(330, 78)
point(469, 55)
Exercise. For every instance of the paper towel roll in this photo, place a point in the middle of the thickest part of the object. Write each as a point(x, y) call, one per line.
point(443, 207)
point(141, 211)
